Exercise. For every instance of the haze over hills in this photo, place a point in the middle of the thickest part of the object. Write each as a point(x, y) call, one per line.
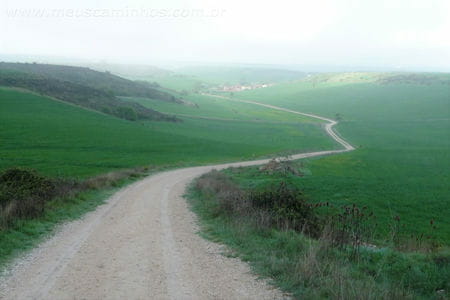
point(241, 74)
point(381, 78)
point(86, 88)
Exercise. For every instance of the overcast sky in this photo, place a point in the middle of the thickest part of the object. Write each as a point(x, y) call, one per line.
point(393, 33)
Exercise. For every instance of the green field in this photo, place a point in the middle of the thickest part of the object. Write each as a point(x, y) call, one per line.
point(402, 132)
point(213, 107)
point(60, 139)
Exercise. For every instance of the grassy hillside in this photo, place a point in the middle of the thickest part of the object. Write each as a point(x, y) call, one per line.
point(81, 95)
point(403, 134)
point(86, 88)
point(59, 139)
point(105, 81)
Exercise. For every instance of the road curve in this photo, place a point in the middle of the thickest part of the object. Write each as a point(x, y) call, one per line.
point(142, 244)
point(328, 126)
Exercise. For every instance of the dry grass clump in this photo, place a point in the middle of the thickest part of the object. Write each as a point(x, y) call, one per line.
point(112, 178)
point(282, 166)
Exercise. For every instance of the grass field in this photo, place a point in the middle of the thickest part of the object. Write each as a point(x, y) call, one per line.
point(403, 134)
point(59, 139)
point(213, 107)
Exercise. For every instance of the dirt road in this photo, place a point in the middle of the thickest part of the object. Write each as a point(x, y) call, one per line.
point(142, 244)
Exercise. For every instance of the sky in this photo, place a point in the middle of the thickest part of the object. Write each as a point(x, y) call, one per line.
point(411, 34)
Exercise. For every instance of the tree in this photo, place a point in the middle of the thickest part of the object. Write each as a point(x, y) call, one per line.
point(126, 113)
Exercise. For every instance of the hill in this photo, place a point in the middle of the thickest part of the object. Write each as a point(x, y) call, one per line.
point(106, 81)
point(86, 88)
point(380, 78)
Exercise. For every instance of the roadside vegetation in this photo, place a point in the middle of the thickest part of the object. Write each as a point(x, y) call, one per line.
point(316, 250)
point(32, 205)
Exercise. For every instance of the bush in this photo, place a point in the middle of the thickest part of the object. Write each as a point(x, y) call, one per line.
point(23, 194)
point(280, 206)
point(288, 207)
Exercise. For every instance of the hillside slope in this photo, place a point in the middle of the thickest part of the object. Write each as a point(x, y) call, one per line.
point(71, 88)
point(106, 81)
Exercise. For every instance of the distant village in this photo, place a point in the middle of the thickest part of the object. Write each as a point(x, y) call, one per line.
point(240, 87)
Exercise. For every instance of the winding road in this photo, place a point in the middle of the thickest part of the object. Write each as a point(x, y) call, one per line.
point(143, 244)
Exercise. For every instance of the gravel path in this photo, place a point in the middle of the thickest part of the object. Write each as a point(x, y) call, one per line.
point(141, 244)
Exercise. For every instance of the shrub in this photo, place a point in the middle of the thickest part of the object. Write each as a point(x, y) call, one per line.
point(283, 206)
point(126, 113)
point(23, 194)
point(288, 208)
point(280, 206)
